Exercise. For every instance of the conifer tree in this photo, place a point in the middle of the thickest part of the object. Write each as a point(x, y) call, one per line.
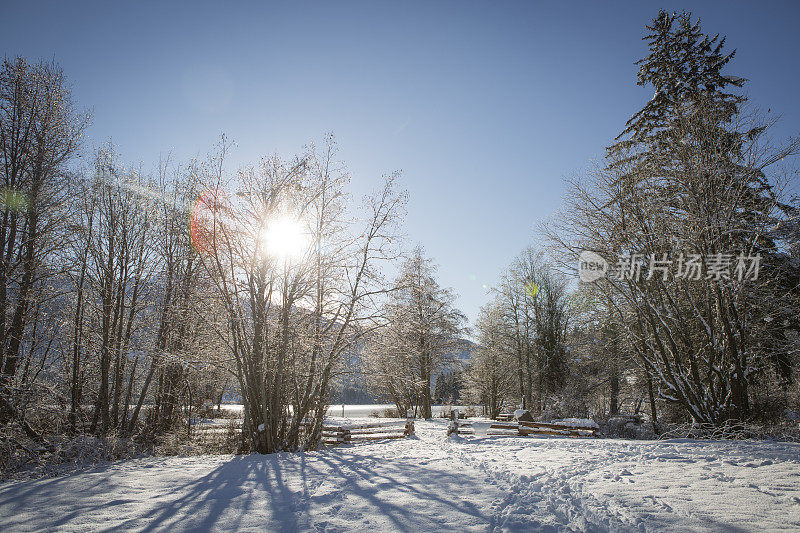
point(688, 175)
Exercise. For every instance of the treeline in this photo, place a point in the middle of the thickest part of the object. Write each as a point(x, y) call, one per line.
point(130, 298)
point(694, 243)
point(103, 303)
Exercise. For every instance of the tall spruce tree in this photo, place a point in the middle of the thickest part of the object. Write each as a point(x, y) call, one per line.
point(687, 176)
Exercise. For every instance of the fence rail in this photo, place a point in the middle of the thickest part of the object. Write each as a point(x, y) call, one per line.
point(331, 435)
point(334, 435)
point(523, 429)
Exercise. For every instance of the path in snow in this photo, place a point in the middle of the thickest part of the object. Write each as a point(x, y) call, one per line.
point(599, 485)
point(428, 483)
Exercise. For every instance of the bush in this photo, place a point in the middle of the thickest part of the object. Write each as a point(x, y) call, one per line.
point(63, 454)
point(390, 412)
point(626, 427)
point(782, 430)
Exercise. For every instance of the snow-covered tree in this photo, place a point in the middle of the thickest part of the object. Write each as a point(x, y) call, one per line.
point(532, 304)
point(422, 330)
point(688, 176)
point(489, 381)
point(40, 132)
point(298, 280)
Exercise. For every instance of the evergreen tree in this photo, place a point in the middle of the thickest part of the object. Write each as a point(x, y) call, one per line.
point(687, 176)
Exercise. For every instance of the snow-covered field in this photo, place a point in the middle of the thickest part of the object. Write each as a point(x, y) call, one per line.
point(430, 482)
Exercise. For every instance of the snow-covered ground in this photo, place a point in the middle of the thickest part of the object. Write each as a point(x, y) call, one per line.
point(430, 482)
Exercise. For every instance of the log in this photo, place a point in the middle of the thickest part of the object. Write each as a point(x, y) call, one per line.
point(397, 429)
point(399, 423)
point(494, 425)
point(379, 437)
point(376, 430)
point(520, 431)
point(554, 426)
point(533, 425)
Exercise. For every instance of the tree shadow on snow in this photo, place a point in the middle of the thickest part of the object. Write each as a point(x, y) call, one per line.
point(286, 492)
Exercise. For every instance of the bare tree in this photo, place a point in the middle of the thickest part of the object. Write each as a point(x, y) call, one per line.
point(117, 234)
point(488, 379)
point(424, 328)
point(297, 281)
point(39, 133)
point(532, 309)
point(178, 337)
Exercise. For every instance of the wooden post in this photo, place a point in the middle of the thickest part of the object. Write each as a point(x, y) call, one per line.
point(453, 427)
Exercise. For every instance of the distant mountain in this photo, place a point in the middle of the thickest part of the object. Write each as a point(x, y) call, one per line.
point(463, 350)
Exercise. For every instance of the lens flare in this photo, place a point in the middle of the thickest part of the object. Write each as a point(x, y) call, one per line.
point(201, 222)
point(531, 289)
point(13, 200)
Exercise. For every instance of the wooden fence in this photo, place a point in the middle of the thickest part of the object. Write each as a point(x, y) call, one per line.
point(335, 435)
point(523, 429)
point(206, 429)
point(331, 435)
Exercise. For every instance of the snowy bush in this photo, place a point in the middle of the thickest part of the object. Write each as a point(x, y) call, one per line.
point(626, 427)
point(390, 412)
point(63, 454)
point(735, 430)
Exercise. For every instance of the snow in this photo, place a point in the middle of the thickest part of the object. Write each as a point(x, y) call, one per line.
point(577, 423)
point(734, 79)
point(429, 482)
point(481, 428)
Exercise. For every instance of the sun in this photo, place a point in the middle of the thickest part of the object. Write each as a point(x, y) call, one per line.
point(284, 238)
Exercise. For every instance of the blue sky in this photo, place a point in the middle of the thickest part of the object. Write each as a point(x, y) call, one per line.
point(485, 107)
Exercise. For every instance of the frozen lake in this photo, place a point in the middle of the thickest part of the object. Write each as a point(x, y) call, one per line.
point(355, 410)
